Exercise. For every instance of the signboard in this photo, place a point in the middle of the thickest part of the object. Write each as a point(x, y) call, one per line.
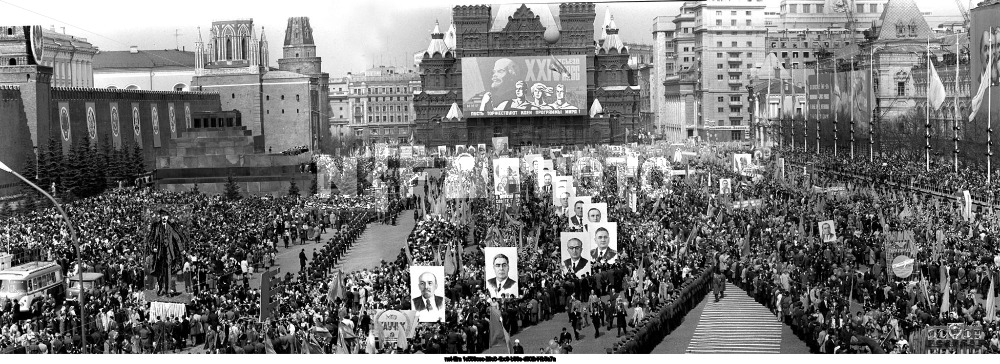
point(406, 152)
point(820, 88)
point(395, 326)
point(955, 338)
point(900, 253)
point(524, 86)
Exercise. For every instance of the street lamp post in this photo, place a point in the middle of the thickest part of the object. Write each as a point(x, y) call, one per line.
point(76, 244)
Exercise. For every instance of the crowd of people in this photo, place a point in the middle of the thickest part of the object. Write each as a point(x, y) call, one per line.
point(682, 237)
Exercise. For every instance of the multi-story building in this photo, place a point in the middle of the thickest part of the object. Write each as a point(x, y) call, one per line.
point(136, 69)
point(727, 44)
point(823, 14)
point(523, 31)
point(71, 58)
point(664, 59)
point(684, 37)
point(380, 105)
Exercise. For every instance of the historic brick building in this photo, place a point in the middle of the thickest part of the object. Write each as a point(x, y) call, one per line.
point(283, 108)
point(527, 31)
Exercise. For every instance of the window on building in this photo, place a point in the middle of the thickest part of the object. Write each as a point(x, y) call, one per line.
point(774, 44)
point(718, 55)
point(718, 13)
point(722, 109)
point(718, 44)
point(795, 54)
point(861, 8)
point(873, 8)
point(718, 77)
point(687, 30)
point(900, 88)
point(734, 98)
point(793, 8)
point(819, 8)
point(806, 45)
point(737, 134)
point(282, 97)
point(686, 49)
point(805, 54)
point(735, 109)
point(734, 88)
point(806, 8)
point(722, 99)
point(719, 66)
point(749, 55)
point(685, 59)
point(358, 132)
point(748, 22)
point(732, 22)
point(784, 55)
point(718, 21)
point(749, 13)
point(734, 77)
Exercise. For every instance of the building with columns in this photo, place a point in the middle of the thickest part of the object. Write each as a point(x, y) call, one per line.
point(71, 58)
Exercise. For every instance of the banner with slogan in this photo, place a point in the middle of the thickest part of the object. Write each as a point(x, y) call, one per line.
point(395, 326)
point(900, 253)
point(65, 127)
point(524, 86)
point(92, 124)
point(116, 126)
point(405, 152)
point(819, 94)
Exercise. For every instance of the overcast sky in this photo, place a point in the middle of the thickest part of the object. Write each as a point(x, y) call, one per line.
point(350, 35)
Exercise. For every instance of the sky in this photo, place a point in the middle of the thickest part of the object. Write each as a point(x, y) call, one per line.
point(350, 35)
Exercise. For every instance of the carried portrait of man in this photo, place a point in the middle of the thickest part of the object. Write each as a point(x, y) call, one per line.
point(501, 271)
point(725, 186)
point(427, 293)
point(604, 242)
point(574, 246)
point(578, 218)
point(595, 213)
point(563, 184)
point(828, 231)
point(546, 182)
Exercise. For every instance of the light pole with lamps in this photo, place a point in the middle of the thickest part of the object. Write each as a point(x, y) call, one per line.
point(76, 244)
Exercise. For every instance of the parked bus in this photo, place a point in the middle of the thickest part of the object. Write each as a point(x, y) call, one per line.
point(32, 281)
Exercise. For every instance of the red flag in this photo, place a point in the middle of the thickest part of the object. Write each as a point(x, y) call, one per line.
point(497, 333)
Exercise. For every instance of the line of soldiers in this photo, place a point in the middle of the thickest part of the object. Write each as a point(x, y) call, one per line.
point(338, 245)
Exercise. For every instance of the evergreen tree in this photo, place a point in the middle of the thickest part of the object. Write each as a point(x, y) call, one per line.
point(293, 189)
point(137, 162)
point(54, 165)
point(195, 190)
point(314, 189)
point(73, 177)
point(30, 172)
point(232, 190)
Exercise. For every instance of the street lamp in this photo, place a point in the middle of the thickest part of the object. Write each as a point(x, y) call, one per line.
point(76, 244)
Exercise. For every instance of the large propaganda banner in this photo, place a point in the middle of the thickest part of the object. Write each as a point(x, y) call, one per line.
point(820, 88)
point(985, 41)
point(524, 86)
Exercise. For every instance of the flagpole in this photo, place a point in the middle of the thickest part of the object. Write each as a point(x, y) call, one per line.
point(834, 108)
point(927, 113)
point(871, 123)
point(850, 86)
point(817, 106)
point(989, 122)
point(955, 127)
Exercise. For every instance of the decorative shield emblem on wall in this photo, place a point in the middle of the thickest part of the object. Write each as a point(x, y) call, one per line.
point(156, 120)
point(91, 123)
point(115, 128)
point(173, 118)
point(64, 123)
point(135, 122)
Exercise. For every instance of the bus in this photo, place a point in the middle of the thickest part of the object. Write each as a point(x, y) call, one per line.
point(32, 281)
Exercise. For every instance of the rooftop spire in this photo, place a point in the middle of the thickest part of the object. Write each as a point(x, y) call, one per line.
point(438, 45)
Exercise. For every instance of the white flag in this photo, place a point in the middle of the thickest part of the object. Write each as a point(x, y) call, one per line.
point(935, 89)
point(984, 83)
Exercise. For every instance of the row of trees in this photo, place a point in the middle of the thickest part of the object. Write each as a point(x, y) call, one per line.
point(86, 170)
